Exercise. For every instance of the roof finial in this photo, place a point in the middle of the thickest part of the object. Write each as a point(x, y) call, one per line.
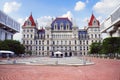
point(31, 13)
point(92, 11)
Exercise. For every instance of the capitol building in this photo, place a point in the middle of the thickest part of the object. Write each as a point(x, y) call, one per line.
point(61, 38)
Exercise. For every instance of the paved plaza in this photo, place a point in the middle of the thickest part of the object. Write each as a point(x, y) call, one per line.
point(49, 61)
point(103, 69)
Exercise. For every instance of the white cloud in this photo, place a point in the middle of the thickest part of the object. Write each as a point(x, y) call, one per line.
point(68, 14)
point(99, 18)
point(18, 36)
point(11, 6)
point(44, 21)
point(86, 19)
point(105, 6)
point(79, 6)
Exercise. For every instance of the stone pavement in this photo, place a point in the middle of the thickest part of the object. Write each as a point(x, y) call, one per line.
point(49, 61)
point(103, 69)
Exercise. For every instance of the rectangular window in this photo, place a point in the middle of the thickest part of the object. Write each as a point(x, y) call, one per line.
point(39, 48)
point(31, 42)
point(36, 42)
point(39, 42)
point(47, 48)
point(47, 42)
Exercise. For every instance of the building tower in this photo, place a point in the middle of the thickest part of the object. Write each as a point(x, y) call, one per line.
point(29, 32)
point(94, 30)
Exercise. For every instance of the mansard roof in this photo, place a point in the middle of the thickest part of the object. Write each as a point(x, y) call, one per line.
point(62, 19)
point(82, 31)
point(91, 20)
point(31, 20)
point(41, 30)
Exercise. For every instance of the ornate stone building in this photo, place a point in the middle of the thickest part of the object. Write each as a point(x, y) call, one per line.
point(61, 38)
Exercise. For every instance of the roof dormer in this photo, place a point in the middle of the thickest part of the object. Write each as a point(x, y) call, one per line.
point(93, 22)
point(30, 22)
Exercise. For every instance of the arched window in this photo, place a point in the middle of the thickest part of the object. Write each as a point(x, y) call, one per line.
point(67, 26)
point(61, 26)
point(28, 22)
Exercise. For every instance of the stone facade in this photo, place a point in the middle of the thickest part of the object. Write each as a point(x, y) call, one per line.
point(60, 36)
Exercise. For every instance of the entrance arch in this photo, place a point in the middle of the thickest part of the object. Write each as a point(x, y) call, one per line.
point(70, 54)
point(66, 54)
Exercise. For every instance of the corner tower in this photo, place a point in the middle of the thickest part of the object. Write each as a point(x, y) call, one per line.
point(94, 30)
point(28, 34)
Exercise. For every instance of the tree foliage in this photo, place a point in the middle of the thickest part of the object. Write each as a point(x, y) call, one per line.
point(12, 45)
point(109, 46)
point(95, 47)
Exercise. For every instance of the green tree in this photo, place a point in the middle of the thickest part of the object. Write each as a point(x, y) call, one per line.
point(3, 46)
point(111, 45)
point(29, 52)
point(13, 45)
point(95, 48)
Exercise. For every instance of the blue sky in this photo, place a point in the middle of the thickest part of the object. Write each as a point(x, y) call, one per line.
point(43, 10)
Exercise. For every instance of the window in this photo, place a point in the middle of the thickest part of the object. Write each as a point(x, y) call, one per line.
point(39, 48)
point(27, 36)
point(55, 26)
point(92, 41)
point(75, 48)
point(31, 35)
point(61, 42)
point(31, 30)
point(27, 42)
point(47, 36)
point(67, 26)
point(61, 25)
point(47, 42)
point(57, 42)
point(23, 30)
point(99, 35)
point(27, 30)
point(69, 48)
point(39, 42)
point(24, 35)
point(47, 48)
point(53, 42)
point(31, 42)
point(42, 47)
point(95, 35)
point(43, 42)
point(80, 42)
point(84, 47)
point(28, 23)
point(87, 47)
point(87, 42)
point(36, 42)
point(75, 42)
point(69, 42)
point(36, 47)
point(80, 48)
point(53, 48)
point(91, 35)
